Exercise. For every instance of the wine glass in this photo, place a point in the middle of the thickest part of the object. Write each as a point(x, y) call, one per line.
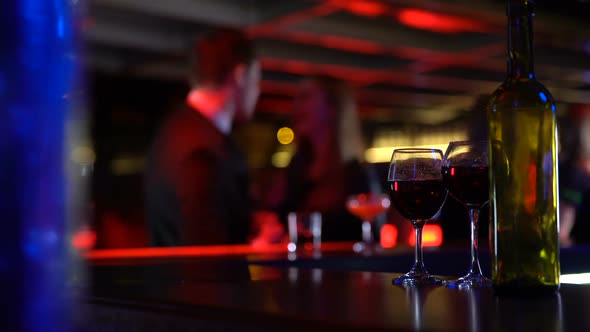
point(418, 193)
point(367, 207)
point(466, 175)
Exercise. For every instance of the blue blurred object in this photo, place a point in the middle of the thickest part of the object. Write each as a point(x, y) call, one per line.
point(37, 66)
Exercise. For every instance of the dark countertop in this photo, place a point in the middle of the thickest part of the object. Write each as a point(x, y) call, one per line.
point(249, 292)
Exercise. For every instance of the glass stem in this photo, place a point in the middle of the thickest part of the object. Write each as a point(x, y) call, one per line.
point(367, 232)
point(418, 254)
point(474, 219)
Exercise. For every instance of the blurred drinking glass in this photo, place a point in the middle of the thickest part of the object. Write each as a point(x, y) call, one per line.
point(305, 231)
point(367, 207)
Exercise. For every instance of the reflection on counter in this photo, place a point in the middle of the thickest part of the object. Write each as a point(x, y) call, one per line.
point(578, 278)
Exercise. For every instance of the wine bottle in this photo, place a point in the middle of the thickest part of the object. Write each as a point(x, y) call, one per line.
point(523, 173)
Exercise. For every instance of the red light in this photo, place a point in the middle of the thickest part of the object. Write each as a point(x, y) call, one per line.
point(432, 236)
point(202, 251)
point(344, 43)
point(366, 8)
point(395, 186)
point(296, 66)
point(388, 236)
point(452, 171)
point(426, 20)
point(84, 239)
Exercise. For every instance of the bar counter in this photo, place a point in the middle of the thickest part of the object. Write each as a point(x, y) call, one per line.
point(239, 288)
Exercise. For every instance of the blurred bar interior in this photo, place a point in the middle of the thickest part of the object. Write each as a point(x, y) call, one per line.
point(419, 70)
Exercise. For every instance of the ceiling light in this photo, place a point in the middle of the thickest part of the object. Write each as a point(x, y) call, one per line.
point(427, 20)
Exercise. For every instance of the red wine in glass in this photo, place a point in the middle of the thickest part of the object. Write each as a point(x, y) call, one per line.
point(417, 200)
point(468, 184)
point(465, 173)
point(418, 193)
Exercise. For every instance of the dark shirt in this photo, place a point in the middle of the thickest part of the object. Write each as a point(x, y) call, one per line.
point(196, 185)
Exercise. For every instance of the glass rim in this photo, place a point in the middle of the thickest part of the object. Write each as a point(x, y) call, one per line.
point(417, 150)
point(467, 142)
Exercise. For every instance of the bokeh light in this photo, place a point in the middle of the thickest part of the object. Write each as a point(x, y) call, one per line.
point(285, 135)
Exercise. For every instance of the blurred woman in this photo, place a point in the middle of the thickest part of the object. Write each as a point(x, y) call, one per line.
point(328, 164)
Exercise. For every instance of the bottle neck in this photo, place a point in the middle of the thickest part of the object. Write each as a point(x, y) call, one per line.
point(520, 46)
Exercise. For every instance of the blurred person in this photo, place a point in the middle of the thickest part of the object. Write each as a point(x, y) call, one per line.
point(574, 174)
point(196, 178)
point(328, 164)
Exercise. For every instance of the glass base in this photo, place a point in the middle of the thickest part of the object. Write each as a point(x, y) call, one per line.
point(413, 279)
point(471, 280)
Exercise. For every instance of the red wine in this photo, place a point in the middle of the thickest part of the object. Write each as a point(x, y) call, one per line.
point(417, 200)
point(469, 185)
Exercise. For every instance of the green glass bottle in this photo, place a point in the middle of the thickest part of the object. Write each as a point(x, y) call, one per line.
point(523, 173)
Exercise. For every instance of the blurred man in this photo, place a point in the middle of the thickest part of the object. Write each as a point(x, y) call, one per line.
point(196, 179)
